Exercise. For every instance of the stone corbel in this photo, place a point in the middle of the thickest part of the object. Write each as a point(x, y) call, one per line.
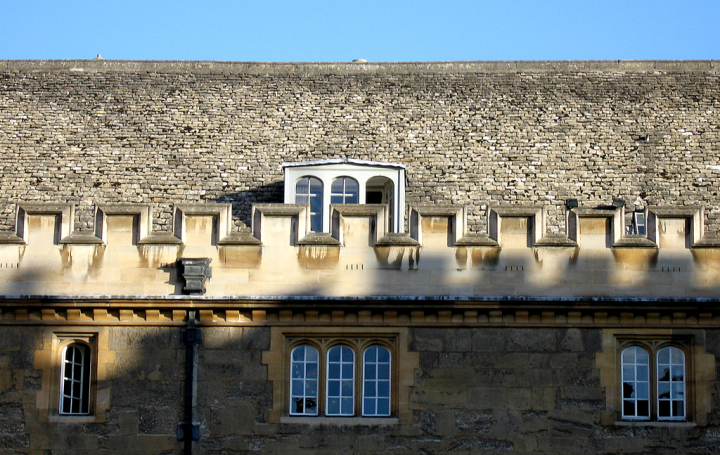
point(222, 213)
point(617, 224)
point(194, 271)
point(695, 215)
point(457, 223)
point(376, 212)
point(634, 240)
point(536, 216)
point(141, 212)
point(63, 229)
point(293, 218)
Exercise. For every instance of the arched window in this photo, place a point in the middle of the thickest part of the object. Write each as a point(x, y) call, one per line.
point(376, 381)
point(671, 383)
point(667, 386)
point(340, 381)
point(309, 190)
point(379, 190)
point(345, 190)
point(304, 381)
point(347, 181)
point(635, 383)
point(75, 380)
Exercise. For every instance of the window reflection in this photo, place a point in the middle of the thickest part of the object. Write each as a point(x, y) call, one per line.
point(344, 190)
point(309, 190)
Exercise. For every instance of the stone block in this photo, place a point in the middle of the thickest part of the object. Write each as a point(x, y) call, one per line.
point(426, 339)
point(161, 420)
point(487, 398)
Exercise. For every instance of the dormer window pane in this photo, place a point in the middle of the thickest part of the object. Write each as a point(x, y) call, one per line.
point(309, 190)
point(638, 226)
point(345, 190)
point(346, 181)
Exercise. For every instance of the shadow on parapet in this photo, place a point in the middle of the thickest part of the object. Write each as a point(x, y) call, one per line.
point(242, 201)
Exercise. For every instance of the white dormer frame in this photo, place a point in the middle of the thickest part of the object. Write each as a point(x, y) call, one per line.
point(361, 170)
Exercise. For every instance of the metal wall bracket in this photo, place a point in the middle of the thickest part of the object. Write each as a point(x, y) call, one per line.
point(192, 336)
point(192, 429)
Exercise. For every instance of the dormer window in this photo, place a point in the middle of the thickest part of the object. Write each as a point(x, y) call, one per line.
point(345, 191)
point(349, 182)
point(309, 190)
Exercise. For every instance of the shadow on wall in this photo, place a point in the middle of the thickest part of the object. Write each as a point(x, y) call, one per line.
point(242, 201)
point(146, 379)
point(546, 272)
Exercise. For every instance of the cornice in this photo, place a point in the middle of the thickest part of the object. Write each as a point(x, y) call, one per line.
point(221, 67)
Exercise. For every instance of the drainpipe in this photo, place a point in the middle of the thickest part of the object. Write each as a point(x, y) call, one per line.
point(188, 430)
point(194, 272)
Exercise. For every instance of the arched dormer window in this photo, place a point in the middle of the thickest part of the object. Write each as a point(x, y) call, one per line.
point(309, 190)
point(351, 182)
point(345, 190)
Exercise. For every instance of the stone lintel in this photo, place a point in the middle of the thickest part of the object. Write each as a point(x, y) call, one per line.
point(160, 238)
point(555, 240)
point(318, 239)
point(477, 240)
point(397, 239)
point(81, 238)
point(239, 238)
point(634, 241)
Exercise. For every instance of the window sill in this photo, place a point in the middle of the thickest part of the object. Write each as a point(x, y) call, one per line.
point(654, 423)
point(340, 421)
point(74, 419)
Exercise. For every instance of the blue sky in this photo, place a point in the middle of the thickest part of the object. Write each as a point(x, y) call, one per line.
point(321, 30)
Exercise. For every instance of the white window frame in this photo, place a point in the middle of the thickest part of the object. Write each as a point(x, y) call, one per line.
point(360, 170)
point(340, 379)
point(309, 195)
point(84, 381)
point(304, 381)
point(635, 365)
point(344, 194)
point(672, 382)
point(377, 381)
point(639, 222)
point(653, 367)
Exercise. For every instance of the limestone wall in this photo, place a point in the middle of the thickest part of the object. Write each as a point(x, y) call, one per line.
point(517, 390)
point(89, 132)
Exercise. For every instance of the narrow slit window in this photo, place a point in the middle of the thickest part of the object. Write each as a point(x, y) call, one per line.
point(304, 381)
point(376, 381)
point(340, 381)
point(75, 380)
